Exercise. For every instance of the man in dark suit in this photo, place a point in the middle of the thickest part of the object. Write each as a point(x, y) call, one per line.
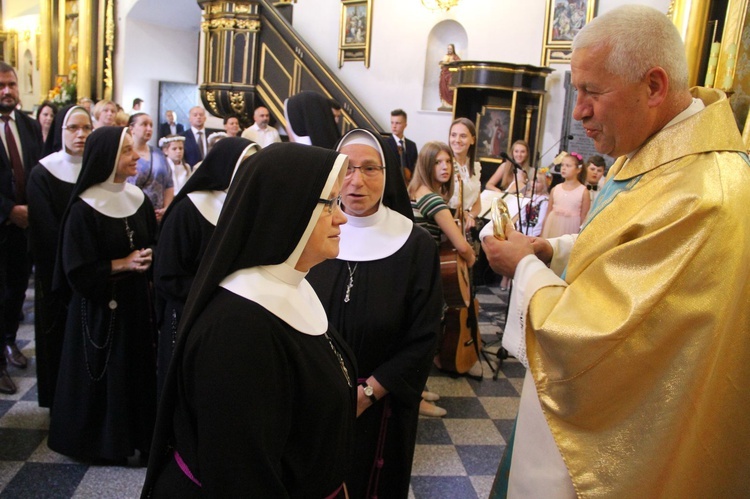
point(171, 127)
point(405, 149)
point(196, 145)
point(21, 139)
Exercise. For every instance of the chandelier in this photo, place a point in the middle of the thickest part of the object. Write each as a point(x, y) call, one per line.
point(444, 5)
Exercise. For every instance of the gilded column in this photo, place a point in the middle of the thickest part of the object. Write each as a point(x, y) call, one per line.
point(85, 38)
point(45, 46)
point(691, 17)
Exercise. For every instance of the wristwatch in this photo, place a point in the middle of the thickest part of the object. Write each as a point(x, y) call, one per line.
point(369, 392)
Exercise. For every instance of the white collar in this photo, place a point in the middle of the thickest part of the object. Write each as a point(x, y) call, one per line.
point(208, 203)
point(112, 199)
point(195, 130)
point(364, 239)
point(63, 166)
point(284, 292)
point(397, 139)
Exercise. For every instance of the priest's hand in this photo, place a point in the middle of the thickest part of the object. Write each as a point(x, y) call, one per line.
point(504, 256)
point(542, 249)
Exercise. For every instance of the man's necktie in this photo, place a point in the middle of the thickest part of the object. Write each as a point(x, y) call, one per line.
point(200, 144)
point(401, 153)
point(19, 181)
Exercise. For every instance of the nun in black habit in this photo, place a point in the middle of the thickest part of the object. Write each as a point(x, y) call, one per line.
point(310, 120)
point(186, 229)
point(259, 399)
point(383, 294)
point(48, 192)
point(105, 401)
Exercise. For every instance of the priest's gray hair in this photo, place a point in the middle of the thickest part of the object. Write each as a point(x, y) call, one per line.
point(640, 38)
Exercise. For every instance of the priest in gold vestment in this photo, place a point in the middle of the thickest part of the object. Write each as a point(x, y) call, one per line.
point(636, 337)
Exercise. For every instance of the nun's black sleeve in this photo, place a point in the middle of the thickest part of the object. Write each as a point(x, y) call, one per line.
point(47, 198)
point(182, 243)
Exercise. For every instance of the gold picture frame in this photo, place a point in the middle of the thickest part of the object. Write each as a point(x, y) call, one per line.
point(355, 31)
point(563, 20)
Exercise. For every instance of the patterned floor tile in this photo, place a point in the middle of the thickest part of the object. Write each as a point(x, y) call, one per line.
point(443, 487)
point(500, 407)
point(437, 460)
point(5, 406)
point(505, 427)
point(8, 470)
point(111, 483)
point(500, 388)
point(26, 415)
point(463, 407)
point(483, 484)
point(473, 432)
point(45, 481)
point(480, 459)
point(432, 431)
point(18, 445)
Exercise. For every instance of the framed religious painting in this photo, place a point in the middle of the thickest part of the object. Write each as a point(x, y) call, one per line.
point(355, 31)
point(563, 20)
point(493, 133)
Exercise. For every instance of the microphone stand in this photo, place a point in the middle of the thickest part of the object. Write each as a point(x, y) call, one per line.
point(515, 167)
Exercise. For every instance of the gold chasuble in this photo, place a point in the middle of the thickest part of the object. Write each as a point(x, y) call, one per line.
point(642, 363)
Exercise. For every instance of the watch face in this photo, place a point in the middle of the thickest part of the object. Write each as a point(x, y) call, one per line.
point(368, 390)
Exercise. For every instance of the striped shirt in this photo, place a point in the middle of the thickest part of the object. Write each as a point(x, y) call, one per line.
point(425, 210)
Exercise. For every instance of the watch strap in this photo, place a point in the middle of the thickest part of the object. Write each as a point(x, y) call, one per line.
point(371, 396)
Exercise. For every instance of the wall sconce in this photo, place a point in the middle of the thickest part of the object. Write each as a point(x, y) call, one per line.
point(444, 5)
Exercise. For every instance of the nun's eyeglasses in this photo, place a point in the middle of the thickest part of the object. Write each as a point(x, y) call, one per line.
point(77, 128)
point(368, 171)
point(330, 202)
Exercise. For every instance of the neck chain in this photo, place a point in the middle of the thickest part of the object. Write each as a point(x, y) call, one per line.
point(350, 284)
point(341, 361)
point(129, 232)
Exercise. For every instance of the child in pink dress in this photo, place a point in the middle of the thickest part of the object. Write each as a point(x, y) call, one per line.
point(569, 201)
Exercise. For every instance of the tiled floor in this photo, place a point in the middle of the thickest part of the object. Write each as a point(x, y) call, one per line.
point(456, 456)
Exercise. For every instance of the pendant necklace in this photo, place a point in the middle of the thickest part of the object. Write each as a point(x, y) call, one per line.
point(350, 284)
point(341, 361)
point(129, 232)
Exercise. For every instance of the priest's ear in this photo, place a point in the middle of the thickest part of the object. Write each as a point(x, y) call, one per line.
point(657, 82)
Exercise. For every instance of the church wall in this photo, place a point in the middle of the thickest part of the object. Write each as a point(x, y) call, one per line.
point(152, 54)
point(400, 67)
point(498, 30)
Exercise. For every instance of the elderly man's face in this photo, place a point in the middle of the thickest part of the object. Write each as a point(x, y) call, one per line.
point(360, 194)
point(197, 117)
point(613, 112)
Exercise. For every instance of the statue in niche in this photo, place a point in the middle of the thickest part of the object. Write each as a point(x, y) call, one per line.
point(446, 93)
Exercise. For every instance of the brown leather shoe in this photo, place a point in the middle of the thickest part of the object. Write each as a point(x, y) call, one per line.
point(14, 356)
point(6, 384)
